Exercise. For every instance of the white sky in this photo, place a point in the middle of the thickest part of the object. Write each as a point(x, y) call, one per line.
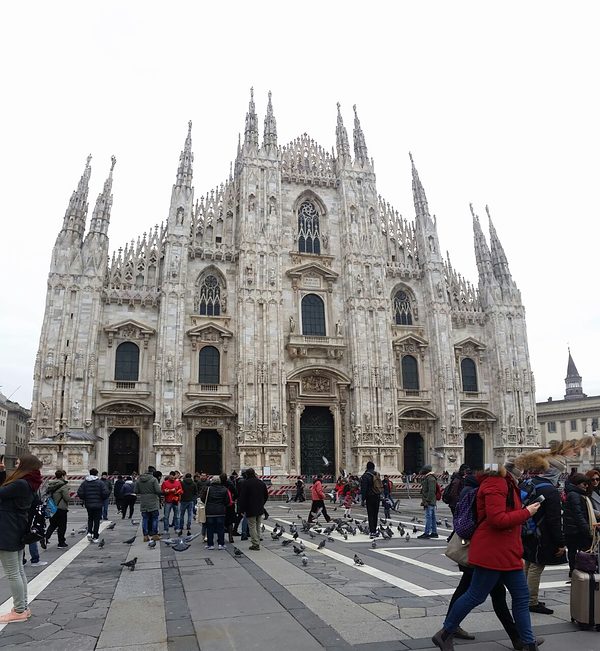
point(498, 102)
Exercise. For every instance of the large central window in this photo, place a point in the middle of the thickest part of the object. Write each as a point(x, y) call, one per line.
point(208, 301)
point(127, 362)
point(402, 309)
point(209, 363)
point(308, 228)
point(313, 316)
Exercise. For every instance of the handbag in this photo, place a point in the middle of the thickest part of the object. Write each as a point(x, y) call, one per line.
point(201, 510)
point(588, 561)
point(458, 550)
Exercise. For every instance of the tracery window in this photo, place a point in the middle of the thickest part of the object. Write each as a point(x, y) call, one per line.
point(308, 228)
point(402, 308)
point(313, 316)
point(208, 299)
point(209, 366)
point(127, 362)
point(410, 373)
point(468, 371)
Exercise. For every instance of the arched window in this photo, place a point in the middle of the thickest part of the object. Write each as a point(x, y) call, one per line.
point(468, 371)
point(308, 228)
point(127, 362)
point(209, 363)
point(313, 315)
point(402, 309)
point(410, 373)
point(208, 298)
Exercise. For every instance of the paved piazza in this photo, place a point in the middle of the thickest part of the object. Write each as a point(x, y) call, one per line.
point(215, 601)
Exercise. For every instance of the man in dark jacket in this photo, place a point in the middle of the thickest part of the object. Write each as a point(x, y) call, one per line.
point(544, 545)
point(188, 499)
point(117, 490)
point(252, 499)
point(578, 530)
point(108, 483)
point(455, 486)
point(371, 488)
point(92, 492)
point(148, 490)
point(428, 502)
point(58, 490)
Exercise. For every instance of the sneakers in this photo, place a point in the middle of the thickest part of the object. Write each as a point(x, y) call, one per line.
point(433, 535)
point(221, 548)
point(424, 536)
point(95, 541)
point(89, 537)
point(541, 609)
point(254, 548)
point(189, 533)
point(13, 616)
point(38, 563)
point(43, 543)
point(62, 545)
point(209, 547)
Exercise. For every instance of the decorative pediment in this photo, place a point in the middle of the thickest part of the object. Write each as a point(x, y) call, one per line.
point(312, 275)
point(410, 344)
point(208, 409)
point(469, 347)
point(126, 408)
point(130, 330)
point(209, 332)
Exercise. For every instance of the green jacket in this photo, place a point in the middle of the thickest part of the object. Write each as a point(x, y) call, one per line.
point(58, 490)
point(148, 492)
point(428, 490)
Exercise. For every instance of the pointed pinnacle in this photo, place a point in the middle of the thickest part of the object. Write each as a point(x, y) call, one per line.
point(113, 162)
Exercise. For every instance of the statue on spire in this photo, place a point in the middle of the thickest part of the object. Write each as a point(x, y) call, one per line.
point(251, 128)
point(270, 132)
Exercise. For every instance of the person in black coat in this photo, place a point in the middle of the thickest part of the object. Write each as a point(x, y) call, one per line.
point(119, 483)
point(92, 492)
point(251, 501)
point(16, 497)
point(216, 498)
point(230, 510)
point(578, 530)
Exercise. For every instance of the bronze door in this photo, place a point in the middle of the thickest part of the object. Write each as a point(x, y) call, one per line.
point(123, 452)
point(317, 442)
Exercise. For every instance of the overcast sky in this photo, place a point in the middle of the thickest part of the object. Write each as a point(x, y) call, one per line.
point(498, 102)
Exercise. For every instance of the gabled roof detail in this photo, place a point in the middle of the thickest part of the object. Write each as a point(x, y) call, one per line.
point(304, 160)
point(319, 269)
point(470, 342)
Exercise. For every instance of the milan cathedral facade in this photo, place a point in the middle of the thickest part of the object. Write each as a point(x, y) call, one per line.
point(288, 319)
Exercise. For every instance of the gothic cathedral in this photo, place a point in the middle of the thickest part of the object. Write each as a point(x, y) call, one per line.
point(290, 320)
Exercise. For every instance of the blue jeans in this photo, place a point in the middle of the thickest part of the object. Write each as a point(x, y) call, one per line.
point(150, 523)
point(215, 524)
point(481, 585)
point(34, 552)
point(430, 525)
point(186, 507)
point(105, 509)
point(171, 506)
point(245, 527)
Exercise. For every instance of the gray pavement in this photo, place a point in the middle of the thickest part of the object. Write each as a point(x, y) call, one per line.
point(215, 601)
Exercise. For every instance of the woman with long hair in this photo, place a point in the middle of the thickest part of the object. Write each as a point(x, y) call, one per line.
point(16, 497)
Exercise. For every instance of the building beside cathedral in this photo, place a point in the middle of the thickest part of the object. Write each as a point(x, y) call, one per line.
point(289, 319)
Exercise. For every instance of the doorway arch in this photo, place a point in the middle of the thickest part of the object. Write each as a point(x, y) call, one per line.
point(317, 441)
point(474, 451)
point(123, 451)
point(209, 452)
point(414, 453)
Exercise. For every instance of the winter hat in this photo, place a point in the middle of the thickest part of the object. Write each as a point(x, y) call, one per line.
point(512, 469)
point(215, 480)
point(578, 478)
point(426, 469)
point(552, 475)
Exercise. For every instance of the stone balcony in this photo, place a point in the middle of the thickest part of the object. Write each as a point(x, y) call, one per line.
point(218, 391)
point(120, 389)
point(474, 397)
point(413, 395)
point(315, 346)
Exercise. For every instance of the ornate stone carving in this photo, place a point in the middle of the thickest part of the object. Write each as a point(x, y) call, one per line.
point(316, 384)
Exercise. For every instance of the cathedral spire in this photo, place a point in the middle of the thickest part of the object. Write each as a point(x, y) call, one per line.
point(482, 252)
point(270, 132)
point(101, 215)
point(419, 197)
point(360, 146)
point(76, 212)
point(186, 158)
point(499, 261)
point(341, 136)
point(251, 128)
point(574, 389)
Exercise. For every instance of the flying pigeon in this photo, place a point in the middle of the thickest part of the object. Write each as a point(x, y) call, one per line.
point(188, 539)
point(321, 544)
point(325, 461)
point(129, 541)
point(180, 546)
point(130, 564)
point(357, 560)
point(237, 552)
point(101, 544)
point(112, 525)
point(170, 541)
point(152, 544)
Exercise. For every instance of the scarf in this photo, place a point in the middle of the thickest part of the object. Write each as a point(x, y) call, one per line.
point(34, 479)
point(552, 475)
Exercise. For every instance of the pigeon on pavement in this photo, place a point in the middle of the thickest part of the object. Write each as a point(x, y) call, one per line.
point(237, 552)
point(304, 560)
point(330, 539)
point(152, 544)
point(407, 537)
point(297, 550)
point(180, 546)
point(357, 560)
point(321, 544)
point(101, 544)
point(415, 529)
point(130, 564)
point(374, 544)
point(112, 525)
point(285, 543)
point(129, 541)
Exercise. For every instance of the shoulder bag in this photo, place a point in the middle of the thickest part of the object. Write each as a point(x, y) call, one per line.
point(201, 509)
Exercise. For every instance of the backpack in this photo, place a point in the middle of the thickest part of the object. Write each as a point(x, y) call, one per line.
point(49, 505)
point(528, 491)
point(36, 522)
point(438, 492)
point(377, 484)
point(465, 515)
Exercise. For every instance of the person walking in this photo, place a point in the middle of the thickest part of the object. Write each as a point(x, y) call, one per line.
point(371, 489)
point(189, 496)
point(172, 490)
point(230, 510)
point(92, 492)
point(318, 500)
point(118, 487)
point(148, 490)
point(128, 497)
point(216, 497)
point(495, 552)
point(58, 490)
point(576, 518)
point(299, 496)
point(16, 497)
point(454, 488)
point(428, 502)
point(252, 498)
point(104, 478)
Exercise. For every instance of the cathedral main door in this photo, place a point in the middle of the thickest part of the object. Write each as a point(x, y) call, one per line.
point(209, 452)
point(123, 452)
point(414, 453)
point(474, 451)
point(316, 441)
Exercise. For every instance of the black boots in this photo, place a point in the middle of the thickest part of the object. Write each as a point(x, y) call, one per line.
point(443, 640)
point(519, 646)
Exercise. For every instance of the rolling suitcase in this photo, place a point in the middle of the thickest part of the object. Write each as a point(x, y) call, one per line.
point(585, 599)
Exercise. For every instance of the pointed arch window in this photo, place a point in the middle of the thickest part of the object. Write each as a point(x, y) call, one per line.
point(208, 299)
point(402, 308)
point(309, 237)
point(313, 316)
point(410, 373)
point(209, 366)
point(127, 362)
point(468, 371)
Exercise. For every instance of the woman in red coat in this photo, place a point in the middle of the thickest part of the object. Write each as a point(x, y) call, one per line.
point(496, 552)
